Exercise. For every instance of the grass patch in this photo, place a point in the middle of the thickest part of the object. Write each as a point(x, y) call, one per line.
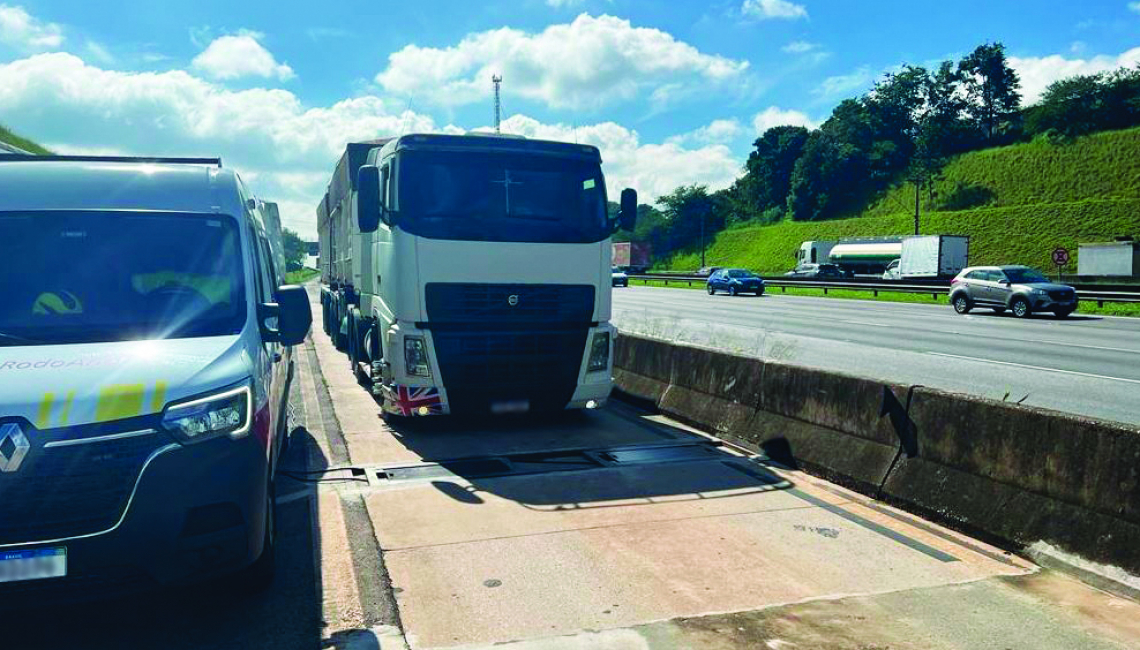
point(302, 276)
point(1016, 204)
point(8, 137)
point(1087, 307)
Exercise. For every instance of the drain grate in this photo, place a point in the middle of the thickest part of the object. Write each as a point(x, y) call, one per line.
point(472, 468)
point(660, 454)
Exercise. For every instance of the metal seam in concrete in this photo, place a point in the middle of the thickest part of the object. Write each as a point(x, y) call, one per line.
point(874, 527)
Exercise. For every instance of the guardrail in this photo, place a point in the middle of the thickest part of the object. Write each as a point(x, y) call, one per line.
point(1098, 293)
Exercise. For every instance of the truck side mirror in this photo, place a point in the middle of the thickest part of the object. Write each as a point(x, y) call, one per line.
point(368, 208)
point(627, 217)
point(293, 314)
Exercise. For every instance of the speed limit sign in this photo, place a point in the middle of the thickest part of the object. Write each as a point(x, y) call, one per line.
point(1061, 257)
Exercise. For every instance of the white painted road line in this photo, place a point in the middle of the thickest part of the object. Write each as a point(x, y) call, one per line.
point(1023, 365)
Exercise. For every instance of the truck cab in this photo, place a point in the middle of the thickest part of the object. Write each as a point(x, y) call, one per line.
point(482, 275)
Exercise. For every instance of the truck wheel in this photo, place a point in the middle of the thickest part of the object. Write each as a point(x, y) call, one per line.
point(962, 304)
point(339, 338)
point(1020, 308)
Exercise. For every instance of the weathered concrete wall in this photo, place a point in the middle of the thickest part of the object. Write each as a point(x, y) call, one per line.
point(1010, 473)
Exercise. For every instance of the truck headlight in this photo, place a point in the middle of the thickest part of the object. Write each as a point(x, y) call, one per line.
point(599, 352)
point(415, 357)
point(226, 413)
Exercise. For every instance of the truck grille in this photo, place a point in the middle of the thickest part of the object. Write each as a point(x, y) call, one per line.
point(71, 490)
point(493, 303)
point(480, 368)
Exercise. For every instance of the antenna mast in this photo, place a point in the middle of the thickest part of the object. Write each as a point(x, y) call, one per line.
point(497, 79)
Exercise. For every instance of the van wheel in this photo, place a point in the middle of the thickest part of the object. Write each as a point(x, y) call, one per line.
point(962, 304)
point(1020, 308)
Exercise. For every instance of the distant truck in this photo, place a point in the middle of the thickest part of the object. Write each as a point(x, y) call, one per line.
point(1119, 259)
point(930, 256)
point(858, 256)
point(632, 256)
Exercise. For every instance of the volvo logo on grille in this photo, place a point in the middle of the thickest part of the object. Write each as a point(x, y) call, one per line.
point(513, 300)
point(14, 446)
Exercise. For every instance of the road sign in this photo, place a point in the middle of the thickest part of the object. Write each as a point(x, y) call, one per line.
point(1061, 257)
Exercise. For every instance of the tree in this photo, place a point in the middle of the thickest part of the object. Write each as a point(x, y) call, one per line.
point(829, 176)
point(768, 175)
point(1087, 103)
point(992, 87)
point(690, 214)
point(295, 249)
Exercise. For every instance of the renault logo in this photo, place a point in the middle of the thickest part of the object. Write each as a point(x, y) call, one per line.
point(13, 447)
point(513, 300)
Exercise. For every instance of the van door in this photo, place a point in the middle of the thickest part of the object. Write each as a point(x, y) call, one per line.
point(272, 369)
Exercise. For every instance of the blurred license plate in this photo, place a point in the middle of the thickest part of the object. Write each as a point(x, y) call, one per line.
point(33, 565)
point(514, 406)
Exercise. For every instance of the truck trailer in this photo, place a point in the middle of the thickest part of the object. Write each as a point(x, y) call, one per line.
point(632, 256)
point(932, 256)
point(471, 274)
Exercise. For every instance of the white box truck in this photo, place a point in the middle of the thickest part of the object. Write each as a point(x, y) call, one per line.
point(471, 274)
point(932, 256)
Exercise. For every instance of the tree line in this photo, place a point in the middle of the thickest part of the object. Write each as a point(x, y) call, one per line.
point(905, 129)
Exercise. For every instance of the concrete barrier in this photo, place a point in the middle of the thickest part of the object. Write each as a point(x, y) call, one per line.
point(1011, 474)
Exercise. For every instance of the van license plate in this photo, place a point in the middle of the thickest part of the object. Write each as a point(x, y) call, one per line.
point(514, 406)
point(38, 564)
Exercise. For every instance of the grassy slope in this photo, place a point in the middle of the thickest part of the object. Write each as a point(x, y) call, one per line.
point(8, 137)
point(1037, 196)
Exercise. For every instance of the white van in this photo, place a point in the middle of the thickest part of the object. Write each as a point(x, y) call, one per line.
point(143, 385)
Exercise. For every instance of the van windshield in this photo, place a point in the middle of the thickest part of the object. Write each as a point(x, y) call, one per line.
point(83, 277)
point(501, 197)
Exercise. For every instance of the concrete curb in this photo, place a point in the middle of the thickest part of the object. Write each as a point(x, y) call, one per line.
point(1006, 473)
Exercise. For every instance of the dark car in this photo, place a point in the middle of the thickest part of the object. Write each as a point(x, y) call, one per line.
point(735, 281)
point(707, 271)
point(1020, 289)
point(817, 271)
point(619, 277)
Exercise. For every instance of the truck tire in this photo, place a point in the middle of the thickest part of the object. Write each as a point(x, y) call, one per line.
point(339, 337)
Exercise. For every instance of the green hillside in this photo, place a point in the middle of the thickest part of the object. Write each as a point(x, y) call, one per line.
point(1016, 203)
point(7, 137)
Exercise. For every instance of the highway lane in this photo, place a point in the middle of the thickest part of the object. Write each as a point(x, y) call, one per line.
point(1085, 364)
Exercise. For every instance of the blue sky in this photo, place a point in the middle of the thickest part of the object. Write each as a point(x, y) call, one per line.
point(673, 92)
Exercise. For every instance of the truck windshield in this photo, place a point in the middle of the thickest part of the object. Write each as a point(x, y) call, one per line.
point(83, 277)
point(501, 197)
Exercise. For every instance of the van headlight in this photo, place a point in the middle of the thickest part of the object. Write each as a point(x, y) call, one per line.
point(225, 413)
point(599, 352)
point(416, 362)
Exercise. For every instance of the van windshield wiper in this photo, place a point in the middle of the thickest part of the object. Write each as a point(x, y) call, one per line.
point(16, 339)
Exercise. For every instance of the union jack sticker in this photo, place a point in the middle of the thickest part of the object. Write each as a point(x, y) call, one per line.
point(413, 400)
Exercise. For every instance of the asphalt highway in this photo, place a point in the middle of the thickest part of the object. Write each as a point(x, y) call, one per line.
point(1089, 365)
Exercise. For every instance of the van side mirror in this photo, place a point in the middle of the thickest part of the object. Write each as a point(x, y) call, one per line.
point(627, 217)
point(368, 207)
point(292, 313)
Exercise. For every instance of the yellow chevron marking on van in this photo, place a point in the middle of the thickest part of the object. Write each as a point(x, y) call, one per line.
point(119, 401)
point(158, 399)
point(65, 410)
point(43, 419)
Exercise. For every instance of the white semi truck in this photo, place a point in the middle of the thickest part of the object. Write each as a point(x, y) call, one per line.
point(471, 274)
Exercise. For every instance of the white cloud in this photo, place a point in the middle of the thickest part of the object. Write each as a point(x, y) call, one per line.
point(559, 4)
point(846, 84)
point(715, 132)
point(652, 169)
point(99, 52)
point(776, 116)
point(1134, 6)
point(1038, 72)
point(765, 9)
point(285, 150)
point(240, 55)
point(799, 47)
point(23, 31)
point(583, 64)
